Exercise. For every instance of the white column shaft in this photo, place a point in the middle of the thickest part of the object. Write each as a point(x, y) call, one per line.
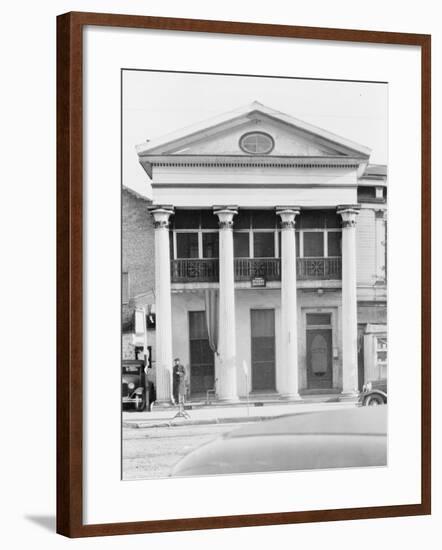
point(288, 367)
point(163, 308)
point(227, 372)
point(289, 309)
point(349, 304)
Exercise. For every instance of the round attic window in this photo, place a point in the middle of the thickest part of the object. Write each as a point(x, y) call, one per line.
point(256, 143)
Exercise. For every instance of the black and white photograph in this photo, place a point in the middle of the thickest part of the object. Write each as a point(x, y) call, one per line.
point(253, 274)
point(221, 229)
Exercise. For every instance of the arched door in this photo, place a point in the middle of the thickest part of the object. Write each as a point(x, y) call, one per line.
point(319, 359)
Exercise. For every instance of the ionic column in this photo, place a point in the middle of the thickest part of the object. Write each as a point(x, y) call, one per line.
point(226, 363)
point(349, 301)
point(289, 329)
point(163, 304)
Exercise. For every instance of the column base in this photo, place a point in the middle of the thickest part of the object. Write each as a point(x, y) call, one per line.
point(349, 396)
point(291, 397)
point(164, 404)
point(233, 399)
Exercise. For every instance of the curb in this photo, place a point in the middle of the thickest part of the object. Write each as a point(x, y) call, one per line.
point(203, 421)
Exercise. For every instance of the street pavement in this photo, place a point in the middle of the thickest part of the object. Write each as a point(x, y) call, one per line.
point(151, 453)
point(153, 442)
point(163, 417)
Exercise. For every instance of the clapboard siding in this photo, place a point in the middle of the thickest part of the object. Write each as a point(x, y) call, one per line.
point(366, 246)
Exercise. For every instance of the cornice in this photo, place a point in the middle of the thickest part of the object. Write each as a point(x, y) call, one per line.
point(227, 161)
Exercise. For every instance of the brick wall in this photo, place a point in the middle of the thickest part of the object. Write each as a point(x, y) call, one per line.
point(128, 349)
point(138, 258)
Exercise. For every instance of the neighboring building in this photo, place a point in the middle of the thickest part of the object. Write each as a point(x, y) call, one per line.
point(248, 302)
point(138, 275)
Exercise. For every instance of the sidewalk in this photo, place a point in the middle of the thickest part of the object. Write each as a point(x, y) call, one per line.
point(162, 418)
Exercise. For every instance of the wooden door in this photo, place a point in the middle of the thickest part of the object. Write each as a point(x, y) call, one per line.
point(202, 363)
point(263, 349)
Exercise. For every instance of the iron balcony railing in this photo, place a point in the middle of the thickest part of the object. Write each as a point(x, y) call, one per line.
point(195, 270)
point(249, 268)
point(246, 269)
point(318, 268)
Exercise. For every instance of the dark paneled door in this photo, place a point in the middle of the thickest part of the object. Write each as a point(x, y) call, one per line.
point(263, 349)
point(319, 359)
point(202, 367)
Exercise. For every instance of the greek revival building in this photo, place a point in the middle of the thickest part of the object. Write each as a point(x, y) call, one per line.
point(270, 258)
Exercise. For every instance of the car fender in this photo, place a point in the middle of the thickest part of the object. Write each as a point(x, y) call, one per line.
point(138, 391)
point(375, 392)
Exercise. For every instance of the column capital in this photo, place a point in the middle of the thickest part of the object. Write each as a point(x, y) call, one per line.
point(348, 213)
point(379, 214)
point(161, 215)
point(225, 215)
point(288, 215)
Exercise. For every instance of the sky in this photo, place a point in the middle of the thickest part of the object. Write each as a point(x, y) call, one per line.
point(156, 103)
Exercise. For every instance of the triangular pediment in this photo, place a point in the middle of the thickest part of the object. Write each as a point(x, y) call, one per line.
point(225, 136)
point(285, 141)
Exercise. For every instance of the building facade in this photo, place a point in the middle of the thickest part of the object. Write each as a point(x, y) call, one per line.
point(269, 257)
point(138, 276)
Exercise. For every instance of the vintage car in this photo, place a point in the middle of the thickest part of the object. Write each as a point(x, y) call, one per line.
point(374, 393)
point(340, 438)
point(136, 390)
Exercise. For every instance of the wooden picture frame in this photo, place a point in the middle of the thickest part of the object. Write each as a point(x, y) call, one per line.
point(70, 268)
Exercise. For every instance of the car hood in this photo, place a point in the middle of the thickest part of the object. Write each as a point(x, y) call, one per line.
point(320, 440)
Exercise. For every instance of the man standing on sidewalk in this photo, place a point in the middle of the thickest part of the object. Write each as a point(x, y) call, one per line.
point(178, 381)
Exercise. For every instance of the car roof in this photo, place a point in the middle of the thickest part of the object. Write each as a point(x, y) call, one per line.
point(349, 421)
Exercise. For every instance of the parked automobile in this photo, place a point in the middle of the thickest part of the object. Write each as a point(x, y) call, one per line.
point(342, 438)
point(136, 390)
point(374, 393)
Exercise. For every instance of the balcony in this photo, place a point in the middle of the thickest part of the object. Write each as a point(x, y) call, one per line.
point(194, 270)
point(249, 268)
point(207, 270)
point(315, 269)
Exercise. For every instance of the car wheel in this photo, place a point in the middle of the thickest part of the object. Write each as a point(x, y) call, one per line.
point(374, 400)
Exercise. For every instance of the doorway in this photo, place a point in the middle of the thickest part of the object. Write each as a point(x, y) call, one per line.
point(262, 322)
point(202, 362)
point(319, 351)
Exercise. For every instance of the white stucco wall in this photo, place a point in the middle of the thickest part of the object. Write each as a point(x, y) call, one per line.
point(256, 197)
point(247, 299)
point(270, 175)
